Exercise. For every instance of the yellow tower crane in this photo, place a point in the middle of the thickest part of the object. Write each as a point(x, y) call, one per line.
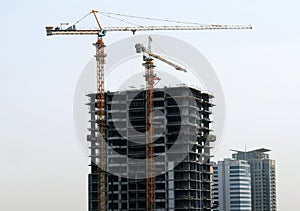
point(100, 32)
point(149, 77)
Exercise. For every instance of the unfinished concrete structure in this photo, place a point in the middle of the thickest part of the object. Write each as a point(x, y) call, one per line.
point(182, 122)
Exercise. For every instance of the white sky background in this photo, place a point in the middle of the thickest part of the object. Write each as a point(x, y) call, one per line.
point(43, 167)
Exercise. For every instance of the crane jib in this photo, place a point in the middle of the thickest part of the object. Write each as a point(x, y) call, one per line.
point(73, 31)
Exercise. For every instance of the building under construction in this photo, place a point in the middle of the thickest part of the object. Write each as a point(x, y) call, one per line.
point(182, 120)
point(175, 187)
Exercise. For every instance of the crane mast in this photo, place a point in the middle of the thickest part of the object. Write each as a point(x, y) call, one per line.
point(100, 102)
point(149, 77)
point(100, 106)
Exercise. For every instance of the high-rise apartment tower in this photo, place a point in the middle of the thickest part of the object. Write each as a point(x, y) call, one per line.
point(232, 185)
point(263, 182)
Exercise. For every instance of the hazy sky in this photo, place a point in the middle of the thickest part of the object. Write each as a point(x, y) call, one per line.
point(42, 165)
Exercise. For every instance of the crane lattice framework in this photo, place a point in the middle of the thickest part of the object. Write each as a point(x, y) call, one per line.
point(100, 32)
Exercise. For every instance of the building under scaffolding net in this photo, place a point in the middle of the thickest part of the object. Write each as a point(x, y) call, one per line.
point(182, 143)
